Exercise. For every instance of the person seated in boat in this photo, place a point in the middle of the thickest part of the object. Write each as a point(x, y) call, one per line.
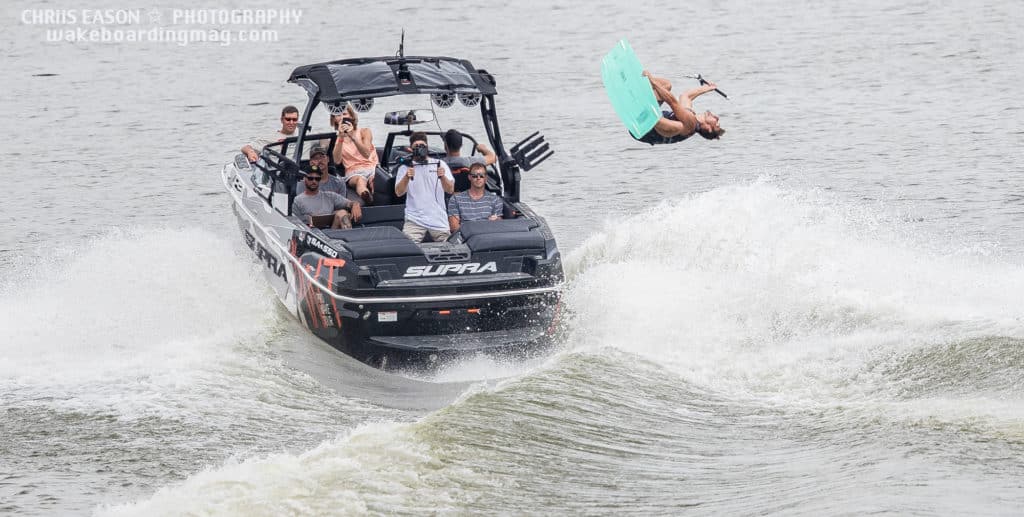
point(459, 164)
point(318, 164)
point(426, 182)
point(355, 151)
point(314, 201)
point(289, 127)
point(681, 122)
point(475, 204)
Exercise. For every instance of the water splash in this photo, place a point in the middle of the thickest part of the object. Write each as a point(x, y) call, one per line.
point(130, 313)
point(757, 291)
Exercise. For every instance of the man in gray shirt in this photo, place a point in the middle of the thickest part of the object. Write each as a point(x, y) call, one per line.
point(316, 202)
point(318, 164)
point(459, 164)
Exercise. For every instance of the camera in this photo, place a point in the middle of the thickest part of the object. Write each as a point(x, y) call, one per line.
point(420, 154)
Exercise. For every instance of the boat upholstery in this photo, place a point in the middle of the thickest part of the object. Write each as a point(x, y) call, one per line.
point(375, 242)
point(503, 234)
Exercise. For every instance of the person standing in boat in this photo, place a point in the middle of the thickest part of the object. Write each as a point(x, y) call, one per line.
point(475, 204)
point(426, 182)
point(314, 201)
point(289, 128)
point(356, 152)
point(459, 164)
point(682, 121)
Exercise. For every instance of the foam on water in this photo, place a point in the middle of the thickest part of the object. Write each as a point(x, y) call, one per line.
point(119, 320)
point(140, 356)
point(377, 468)
point(790, 296)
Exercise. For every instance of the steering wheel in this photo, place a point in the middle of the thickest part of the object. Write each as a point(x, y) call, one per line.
point(473, 140)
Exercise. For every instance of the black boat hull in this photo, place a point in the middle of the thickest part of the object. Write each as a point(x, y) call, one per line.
point(425, 335)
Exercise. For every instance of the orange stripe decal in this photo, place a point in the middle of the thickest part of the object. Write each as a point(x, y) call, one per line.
point(334, 302)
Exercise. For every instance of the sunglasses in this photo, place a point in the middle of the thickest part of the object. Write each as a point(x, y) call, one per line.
point(477, 175)
point(291, 119)
point(314, 178)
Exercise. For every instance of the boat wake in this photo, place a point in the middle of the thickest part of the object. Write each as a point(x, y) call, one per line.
point(136, 358)
point(711, 340)
point(797, 299)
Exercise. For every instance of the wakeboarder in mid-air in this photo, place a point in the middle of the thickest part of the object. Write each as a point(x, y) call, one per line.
point(680, 122)
point(640, 99)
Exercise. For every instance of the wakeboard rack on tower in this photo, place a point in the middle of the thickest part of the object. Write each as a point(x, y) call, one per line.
point(531, 151)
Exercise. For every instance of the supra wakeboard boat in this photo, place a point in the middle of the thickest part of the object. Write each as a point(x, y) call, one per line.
point(493, 288)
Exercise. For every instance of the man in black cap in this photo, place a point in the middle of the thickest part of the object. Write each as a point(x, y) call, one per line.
point(459, 164)
point(314, 202)
point(318, 164)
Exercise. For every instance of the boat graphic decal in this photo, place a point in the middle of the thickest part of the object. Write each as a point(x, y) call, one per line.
point(451, 269)
point(265, 256)
point(320, 246)
point(330, 263)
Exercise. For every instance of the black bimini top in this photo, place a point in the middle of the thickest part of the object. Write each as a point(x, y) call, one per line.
point(360, 78)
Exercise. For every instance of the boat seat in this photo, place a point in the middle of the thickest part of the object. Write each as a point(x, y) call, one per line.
point(520, 224)
point(501, 235)
point(375, 233)
point(383, 215)
point(375, 242)
point(506, 241)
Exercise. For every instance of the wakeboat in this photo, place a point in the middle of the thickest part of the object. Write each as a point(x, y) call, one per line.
point(492, 288)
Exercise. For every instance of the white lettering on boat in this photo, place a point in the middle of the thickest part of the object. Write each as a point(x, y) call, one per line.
point(451, 269)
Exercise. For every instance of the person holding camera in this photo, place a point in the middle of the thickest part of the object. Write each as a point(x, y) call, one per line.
point(356, 152)
point(424, 182)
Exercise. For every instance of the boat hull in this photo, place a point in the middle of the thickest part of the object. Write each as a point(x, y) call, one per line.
point(404, 327)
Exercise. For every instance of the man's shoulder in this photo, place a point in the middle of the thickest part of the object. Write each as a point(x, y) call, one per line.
point(320, 194)
point(458, 162)
point(277, 136)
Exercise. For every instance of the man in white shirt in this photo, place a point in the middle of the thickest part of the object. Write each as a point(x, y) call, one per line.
point(426, 182)
point(289, 127)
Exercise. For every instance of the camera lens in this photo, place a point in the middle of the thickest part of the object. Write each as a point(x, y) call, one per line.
point(420, 153)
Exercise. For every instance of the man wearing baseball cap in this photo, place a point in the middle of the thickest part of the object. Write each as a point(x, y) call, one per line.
point(318, 165)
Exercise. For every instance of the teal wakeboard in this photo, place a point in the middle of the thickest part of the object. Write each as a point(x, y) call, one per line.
point(629, 91)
